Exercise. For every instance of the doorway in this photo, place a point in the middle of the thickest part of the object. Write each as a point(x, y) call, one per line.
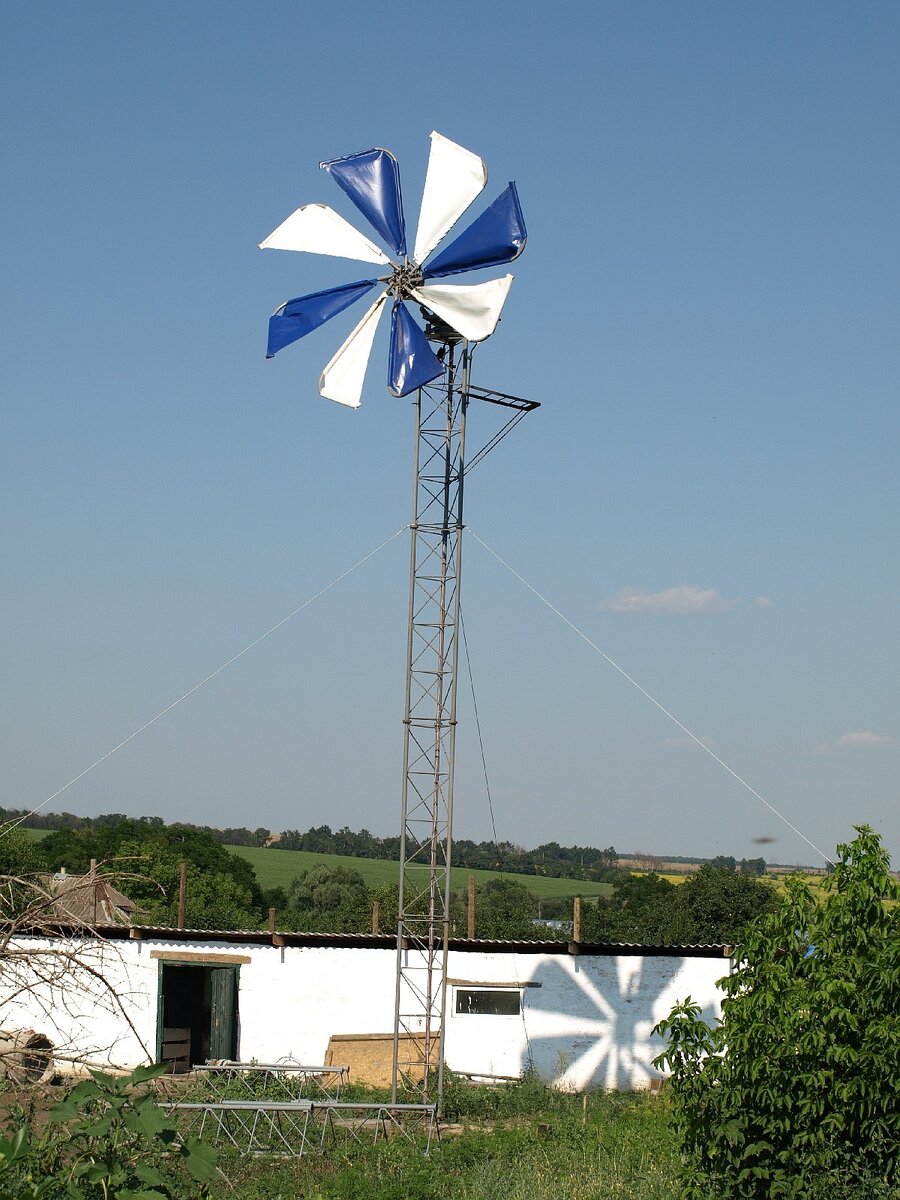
point(197, 1014)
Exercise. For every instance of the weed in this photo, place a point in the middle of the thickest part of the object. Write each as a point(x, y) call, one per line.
point(523, 1141)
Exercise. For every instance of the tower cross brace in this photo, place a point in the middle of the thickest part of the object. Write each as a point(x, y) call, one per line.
point(429, 720)
point(429, 725)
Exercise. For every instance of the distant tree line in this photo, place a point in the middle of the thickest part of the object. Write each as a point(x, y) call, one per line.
point(588, 863)
point(229, 836)
point(713, 905)
point(552, 860)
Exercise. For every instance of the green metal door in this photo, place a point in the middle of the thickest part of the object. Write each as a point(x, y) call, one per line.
point(223, 1024)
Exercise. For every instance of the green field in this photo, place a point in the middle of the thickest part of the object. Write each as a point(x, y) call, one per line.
point(277, 868)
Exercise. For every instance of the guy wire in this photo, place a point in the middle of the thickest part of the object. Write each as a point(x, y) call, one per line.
point(487, 788)
point(593, 645)
point(10, 825)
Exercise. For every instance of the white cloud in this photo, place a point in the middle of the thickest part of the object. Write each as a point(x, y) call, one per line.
point(863, 740)
point(763, 602)
point(687, 741)
point(684, 601)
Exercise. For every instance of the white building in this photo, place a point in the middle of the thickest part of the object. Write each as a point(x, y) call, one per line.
point(581, 1016)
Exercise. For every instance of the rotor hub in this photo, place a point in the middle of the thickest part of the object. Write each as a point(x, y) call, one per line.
point(406, 276)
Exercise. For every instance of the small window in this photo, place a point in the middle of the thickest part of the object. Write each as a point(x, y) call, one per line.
point(489, 1002)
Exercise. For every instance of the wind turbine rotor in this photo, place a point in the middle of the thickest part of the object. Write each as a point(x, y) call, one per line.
point(371, 179)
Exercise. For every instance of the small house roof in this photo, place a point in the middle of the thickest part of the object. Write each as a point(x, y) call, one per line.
point(88, 900)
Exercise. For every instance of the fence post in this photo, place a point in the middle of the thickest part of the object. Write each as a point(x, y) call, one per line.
point(376, 916)
point(470, 907)
point(576, 919)
point(182, 895)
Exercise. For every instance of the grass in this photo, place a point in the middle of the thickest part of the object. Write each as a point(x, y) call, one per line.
point(277, 868)
point(521, 1141)
point(36, 834)
point(524, 1142)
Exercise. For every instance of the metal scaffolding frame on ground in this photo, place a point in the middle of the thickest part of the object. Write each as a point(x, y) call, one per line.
point(294, 1127)
point(272, 1081)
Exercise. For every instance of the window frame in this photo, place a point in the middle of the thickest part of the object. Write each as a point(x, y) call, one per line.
point(487, 989)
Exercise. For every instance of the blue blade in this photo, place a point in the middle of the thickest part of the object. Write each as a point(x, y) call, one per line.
point(497, 236)
point(372, 181)
point(412, 362)
point(297, 318)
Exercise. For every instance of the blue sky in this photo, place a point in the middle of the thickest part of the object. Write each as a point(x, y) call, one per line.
point(707, 310)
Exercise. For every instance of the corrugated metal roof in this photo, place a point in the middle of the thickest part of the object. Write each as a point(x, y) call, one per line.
point(264, 937)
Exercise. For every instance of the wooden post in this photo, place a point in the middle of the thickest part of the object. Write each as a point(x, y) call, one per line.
point(576, 919)
point(182, 895)
point(271, 920)
point(376, 916)
point(470, 906)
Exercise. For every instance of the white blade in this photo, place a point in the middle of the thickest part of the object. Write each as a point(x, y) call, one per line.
point(318, 229)
point(343, 378)
point(454, 178)
point(473, 309)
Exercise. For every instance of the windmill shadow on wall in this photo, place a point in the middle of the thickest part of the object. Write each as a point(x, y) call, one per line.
point(590, 1017)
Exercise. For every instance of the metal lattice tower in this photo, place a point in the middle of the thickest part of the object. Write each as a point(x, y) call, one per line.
point(429, 721)
point(429, 724)
point(458, 316)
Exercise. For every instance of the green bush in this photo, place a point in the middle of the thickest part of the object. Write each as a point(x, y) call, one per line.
point(796, 1092)
point(107, 1140)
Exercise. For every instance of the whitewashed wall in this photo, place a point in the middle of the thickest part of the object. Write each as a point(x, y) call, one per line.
point(95, 1000)
point(585, 1020)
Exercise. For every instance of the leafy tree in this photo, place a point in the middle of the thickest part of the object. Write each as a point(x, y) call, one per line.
point(19, 854)
point(505, 909)
point(711, 907)
point(223, 891)
point(388, 898)
point(214, 899)
point(23, 886)
point(723, 862)
point(65, 848)
point(716, 906)
point(329, 900)
point(796, 1092)
point(275, 897)
point(637, 911)
point(752, 866)
point(217, 901)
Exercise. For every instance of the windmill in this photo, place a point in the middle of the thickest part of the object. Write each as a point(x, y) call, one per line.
point(457, 316)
